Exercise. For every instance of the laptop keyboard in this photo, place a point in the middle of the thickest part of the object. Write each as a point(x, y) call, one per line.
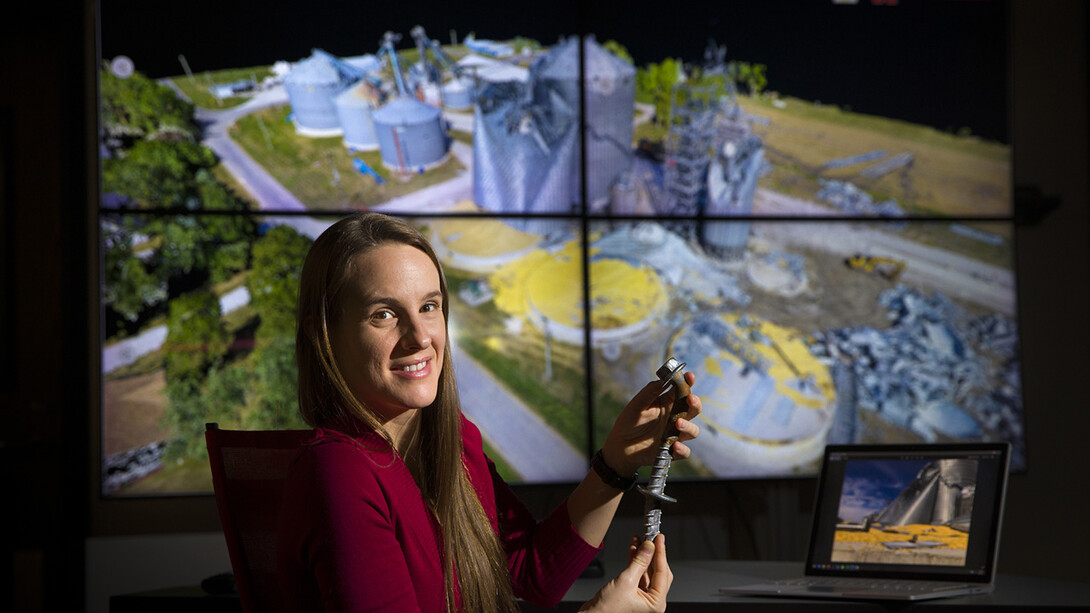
point(923, 587)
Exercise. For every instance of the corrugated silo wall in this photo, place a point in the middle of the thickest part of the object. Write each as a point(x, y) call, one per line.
point(312, 105)
point(729, 239)
point(424, 143)
point(512, 174)
point(359, 127)
point(408, 138)
point(457, 94)
point(610, 105)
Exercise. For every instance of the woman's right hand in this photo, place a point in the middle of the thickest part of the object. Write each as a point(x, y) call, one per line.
point(634, 439)
point(641, 587)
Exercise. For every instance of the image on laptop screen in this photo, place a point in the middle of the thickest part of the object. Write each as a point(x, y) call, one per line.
point(909, 511)
point(905, 511)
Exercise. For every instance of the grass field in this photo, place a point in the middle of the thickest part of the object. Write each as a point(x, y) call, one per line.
point(320, 171)
point(950, 175)
point(196, 88)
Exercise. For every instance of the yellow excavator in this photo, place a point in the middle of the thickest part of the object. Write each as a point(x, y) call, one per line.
point(888, 268)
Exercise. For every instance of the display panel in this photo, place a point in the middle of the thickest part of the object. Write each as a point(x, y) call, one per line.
point(212, 151)
point(807, 333)
point(811, 108)
point(224, 351)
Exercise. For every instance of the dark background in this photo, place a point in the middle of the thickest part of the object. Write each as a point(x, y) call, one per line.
point(889, 61)
point(52, 518)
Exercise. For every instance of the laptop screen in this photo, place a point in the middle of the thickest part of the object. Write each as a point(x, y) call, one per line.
point(909, 511)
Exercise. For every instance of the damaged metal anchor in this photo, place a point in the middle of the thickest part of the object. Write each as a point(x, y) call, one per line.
point(670, 373)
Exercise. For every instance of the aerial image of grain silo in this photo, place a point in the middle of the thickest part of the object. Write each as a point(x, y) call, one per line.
point(595, 213)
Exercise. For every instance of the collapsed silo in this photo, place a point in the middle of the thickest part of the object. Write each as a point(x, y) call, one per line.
point(526, 140)
point(312, 85)
point(355, 106)
point(524, 155)
point(410, 135)
point(732, 183)
point(609, 85)
point(942, 493)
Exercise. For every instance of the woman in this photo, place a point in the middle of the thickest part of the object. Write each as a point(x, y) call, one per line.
point(394, 506)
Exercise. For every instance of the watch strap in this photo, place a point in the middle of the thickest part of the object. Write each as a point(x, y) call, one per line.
point(610, 476)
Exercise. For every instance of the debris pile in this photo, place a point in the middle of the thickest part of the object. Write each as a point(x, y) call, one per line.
point(936, 370)
point(853, 201)
point(120, 469)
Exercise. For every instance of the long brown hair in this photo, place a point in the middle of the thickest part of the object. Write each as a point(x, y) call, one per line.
point(471, 549)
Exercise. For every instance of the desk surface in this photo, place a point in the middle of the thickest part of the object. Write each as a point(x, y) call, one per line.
point(695, 589)
point(696, 585)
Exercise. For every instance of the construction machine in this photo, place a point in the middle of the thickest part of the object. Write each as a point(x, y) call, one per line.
point(886, 267)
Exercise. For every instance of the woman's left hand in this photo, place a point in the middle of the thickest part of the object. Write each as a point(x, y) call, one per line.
point(634, 439)
point(641, 587)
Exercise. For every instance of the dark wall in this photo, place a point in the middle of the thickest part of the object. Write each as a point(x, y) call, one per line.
point(44, 391)
point(47, 175)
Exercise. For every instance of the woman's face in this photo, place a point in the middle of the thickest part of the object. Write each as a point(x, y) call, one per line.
point(389, 333)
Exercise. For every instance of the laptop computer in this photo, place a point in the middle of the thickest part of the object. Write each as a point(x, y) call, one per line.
point(902, 522)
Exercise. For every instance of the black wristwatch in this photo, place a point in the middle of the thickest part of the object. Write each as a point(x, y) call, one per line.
point(610, 476)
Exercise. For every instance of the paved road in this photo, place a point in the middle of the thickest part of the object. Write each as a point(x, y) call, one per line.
point(129, 350)
point(269, 194)
point(440, 197)
point(529, 444)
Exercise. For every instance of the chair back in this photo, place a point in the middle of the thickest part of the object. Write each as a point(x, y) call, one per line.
point(249, 469)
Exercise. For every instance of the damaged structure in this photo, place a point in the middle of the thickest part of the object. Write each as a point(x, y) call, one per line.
point(937, 371)
point(526, 141)
point(712, 161)
point(941, 494)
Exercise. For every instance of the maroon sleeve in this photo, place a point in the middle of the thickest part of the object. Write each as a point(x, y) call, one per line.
point(544, 558)
point(338, 531)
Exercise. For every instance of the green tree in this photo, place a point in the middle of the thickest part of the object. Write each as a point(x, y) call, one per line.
point(129, 286)
point(158, 174)
point(228, 238)
point(196, 339)
point(273, 281)
point(618, 49)
point(195, 344)
point(276, 376)
point(751, 75)
point(138, 108)
point(519, 43)
point(655, 83)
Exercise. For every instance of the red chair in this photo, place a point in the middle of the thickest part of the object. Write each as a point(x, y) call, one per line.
point(248, 473)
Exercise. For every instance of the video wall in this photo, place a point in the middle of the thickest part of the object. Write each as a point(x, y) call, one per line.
point(811, 212)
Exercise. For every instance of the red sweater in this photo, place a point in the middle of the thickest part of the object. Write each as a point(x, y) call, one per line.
point(356, 535)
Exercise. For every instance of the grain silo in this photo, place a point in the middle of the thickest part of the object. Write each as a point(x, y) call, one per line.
point(732, 183)
point(457, 93)
point(768, 396)
point(312, 85)
point(354, 108)
point(524, 155)
point(610, 88)
point(410, 135)
point(610, 94)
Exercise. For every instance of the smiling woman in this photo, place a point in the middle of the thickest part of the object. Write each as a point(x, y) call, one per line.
point(389, 327)
point(393, 505)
